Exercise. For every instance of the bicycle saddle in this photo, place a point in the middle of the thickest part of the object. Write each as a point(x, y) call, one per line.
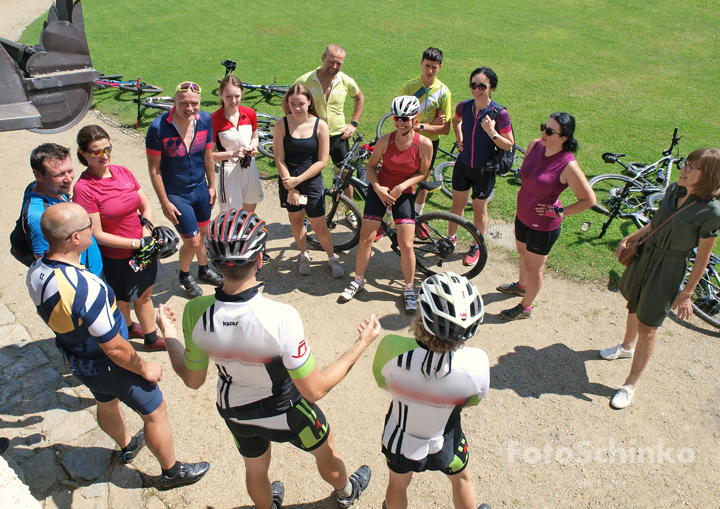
point(609, 157)
point(429, 186)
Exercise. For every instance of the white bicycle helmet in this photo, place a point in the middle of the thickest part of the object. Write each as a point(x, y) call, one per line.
point(450, 307)
point(405, 106)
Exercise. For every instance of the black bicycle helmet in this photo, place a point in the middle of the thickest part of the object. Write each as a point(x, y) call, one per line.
point(166, 241)
point(450, 307)
point(236, 237)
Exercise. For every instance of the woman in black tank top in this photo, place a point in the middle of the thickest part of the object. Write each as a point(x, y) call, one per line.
point(301, 143)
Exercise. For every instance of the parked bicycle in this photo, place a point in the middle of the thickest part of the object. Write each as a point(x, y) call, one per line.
point(268, 91)
point(706, 297)
point(115, 81)
point(635, 198)
point(435, 253)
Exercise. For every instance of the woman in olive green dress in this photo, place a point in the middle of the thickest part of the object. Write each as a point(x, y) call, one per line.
point(652, 282)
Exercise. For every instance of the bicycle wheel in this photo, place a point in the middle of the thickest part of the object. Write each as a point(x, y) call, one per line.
point(385, 126)
point(443, 173)
point(265, 147)
point(159, 103)
point(345, 236)
point(652, 203)
point(706, 297)
point(266, 123)
point(607, 191)
point(145, 88)
point(437, 253)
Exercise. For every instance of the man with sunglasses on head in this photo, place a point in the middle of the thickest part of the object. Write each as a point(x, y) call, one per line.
point(54, 174)
point(92, 338)
point(179, 147)
point(330, 88)
point(435, 104)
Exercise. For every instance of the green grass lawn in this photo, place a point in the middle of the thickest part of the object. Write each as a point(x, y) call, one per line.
point(628, 70)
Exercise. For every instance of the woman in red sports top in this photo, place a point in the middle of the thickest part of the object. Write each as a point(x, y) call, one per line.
point(405, 159)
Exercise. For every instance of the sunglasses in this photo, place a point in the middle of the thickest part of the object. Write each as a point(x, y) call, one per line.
point(684, 165)
point(99, 153)
point(479, 86)
point(89, 225)
point(188, 85)
point(402, 119)
point(548, 130)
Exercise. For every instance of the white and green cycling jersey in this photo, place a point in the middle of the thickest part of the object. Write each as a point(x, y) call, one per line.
point(258, 346)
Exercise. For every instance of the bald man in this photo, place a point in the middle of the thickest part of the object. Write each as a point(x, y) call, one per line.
point(92, 337)
point(330, 87)
point(179, 147)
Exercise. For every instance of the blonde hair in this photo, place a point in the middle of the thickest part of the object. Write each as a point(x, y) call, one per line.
point(707, 162)
point(434, 343)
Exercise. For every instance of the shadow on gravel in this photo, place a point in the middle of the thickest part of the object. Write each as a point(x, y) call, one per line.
point(329, 502)
point(706, 329)
point(556, 369)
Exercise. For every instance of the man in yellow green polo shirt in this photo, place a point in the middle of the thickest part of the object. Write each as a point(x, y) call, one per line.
point(330, 87)
point(435, 105)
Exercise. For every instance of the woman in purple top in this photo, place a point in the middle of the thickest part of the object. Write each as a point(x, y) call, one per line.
point(549, 167)
point(480, 125)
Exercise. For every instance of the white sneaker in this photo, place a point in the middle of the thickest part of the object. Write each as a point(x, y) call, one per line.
point(410, 301)
point(334, 264)
point(617, 352)
point(351, 219)
point(622, 397)
point(352, 289)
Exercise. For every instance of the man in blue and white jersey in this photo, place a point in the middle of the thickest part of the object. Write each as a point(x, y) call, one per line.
point(92, 337)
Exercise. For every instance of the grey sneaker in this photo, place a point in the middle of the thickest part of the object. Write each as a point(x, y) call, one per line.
point(189, 473)
point(278, 493)
point(616, 352)
point(511, 288)
point(622, 397)
point(349, 292)
point(337, 270)
point(304, 265)
point(516, 313)
point(360, 481)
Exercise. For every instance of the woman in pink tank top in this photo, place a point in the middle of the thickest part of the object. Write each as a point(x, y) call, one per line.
point(549, 167)
point(405, 157)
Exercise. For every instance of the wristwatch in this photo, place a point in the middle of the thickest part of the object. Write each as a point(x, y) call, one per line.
point(354, 124)
point(495, 137)
point(132, 244)
point(560, 212)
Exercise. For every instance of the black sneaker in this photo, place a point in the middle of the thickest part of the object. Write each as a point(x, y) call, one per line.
point(191, 286)
point(278, 492)
point(129, 456)
point(211, 277)
point(4, 444)
point(266, 258)
point(359, 480)
point(188, 473)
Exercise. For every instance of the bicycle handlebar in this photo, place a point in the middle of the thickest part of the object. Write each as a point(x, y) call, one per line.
point(673, 143)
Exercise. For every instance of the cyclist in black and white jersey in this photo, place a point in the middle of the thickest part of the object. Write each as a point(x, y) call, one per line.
point(268, 381)
point(431, 378)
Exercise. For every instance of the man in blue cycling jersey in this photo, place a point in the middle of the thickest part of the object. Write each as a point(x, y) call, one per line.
point(179, 148)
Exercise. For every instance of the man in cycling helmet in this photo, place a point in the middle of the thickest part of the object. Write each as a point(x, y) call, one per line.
point(269, 382)
point(435, 104)
point(431, 378)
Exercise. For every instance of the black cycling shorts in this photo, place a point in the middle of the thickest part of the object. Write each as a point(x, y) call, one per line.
point(338, 148)
point(403, 210)
point(312, 188)
point(482, 182)
point(307, 430)
point(536, 241)
point(450, 460)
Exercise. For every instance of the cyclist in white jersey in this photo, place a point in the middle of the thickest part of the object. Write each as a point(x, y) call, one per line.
point(431, 378)
point(268, 382)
